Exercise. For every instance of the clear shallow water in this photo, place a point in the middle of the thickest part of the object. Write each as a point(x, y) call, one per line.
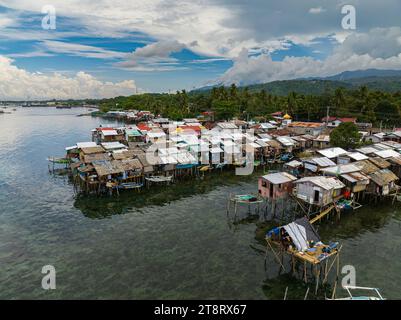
point(174, 243)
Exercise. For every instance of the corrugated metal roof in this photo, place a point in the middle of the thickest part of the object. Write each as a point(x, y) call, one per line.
point(279, 177)
point(326, 183)
point(366, 166)
point(113, 145)
point(332, 152)
point(355, 177)
point(293, 164)
point(366, 150)
point(286, 141)
point(322, 162)
point(81, 145)
point(387, 154)
point(357, 156)
point(383, 177)
point(341, 169)
point(380, 162)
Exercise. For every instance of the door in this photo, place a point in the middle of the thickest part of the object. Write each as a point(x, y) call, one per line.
point(316, 196)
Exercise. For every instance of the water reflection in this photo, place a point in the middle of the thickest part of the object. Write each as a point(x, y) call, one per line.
point(99, 207)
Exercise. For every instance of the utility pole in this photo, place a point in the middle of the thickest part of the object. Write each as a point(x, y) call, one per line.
point(327, 115)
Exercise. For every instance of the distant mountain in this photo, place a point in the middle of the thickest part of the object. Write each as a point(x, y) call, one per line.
point(374, 79)
point(369, 73)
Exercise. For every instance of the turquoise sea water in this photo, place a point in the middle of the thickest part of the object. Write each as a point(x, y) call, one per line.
point(166, 243)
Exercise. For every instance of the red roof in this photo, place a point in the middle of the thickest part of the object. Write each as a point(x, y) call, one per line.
point(328, 119)
point(347, 119)
point(143, 127)
point(104, 129)
point(194, 128)
point(278, 113)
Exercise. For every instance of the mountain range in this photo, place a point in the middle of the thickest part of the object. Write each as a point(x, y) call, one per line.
point(374, 79)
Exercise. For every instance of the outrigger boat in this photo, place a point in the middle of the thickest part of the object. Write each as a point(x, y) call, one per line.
point(378, 296)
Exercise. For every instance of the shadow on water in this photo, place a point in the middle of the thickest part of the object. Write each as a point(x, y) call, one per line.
point(99, 207)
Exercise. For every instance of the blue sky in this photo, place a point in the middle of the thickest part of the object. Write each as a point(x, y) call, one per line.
point(119, 47)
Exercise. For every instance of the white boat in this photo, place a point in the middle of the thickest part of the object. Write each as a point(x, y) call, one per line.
point(375, 291)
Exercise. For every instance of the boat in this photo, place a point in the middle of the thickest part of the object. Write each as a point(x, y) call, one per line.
point(375, 291)
point(59, 160)
point(63, 107)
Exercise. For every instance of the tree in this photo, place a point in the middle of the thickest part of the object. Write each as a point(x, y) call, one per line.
point(224, 110)
point(340, 103)
point(345, 136)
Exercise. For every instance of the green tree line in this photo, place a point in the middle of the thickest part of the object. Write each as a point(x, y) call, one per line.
point(227, 102)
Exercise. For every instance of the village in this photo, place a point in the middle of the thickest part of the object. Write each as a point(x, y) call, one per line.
point(303, 180)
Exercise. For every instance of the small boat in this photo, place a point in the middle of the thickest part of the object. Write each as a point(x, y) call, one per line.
point(59, 160)
point(376, 291)
point(63, 107)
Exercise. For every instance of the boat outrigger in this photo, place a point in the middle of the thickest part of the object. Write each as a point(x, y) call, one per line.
point(376, 291)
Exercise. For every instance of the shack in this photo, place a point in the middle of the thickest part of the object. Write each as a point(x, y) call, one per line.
point(318, 190)
point(382, 183)
point(276, 185)
point(300, 240)
point(355, 182)
point(317, 163)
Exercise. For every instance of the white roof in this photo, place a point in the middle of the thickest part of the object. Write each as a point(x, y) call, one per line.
point(228, 143)
point(381, 146)
point(367, 150)
point(293, 164)
point(227, 125)
point(237, 136)
point(357, 156)
point(267, 126)
point(387, 154)
point(265, 136)
point(286, 141)
point(232, 149)
point(113, 145)
point(262, 143)
point(191, 139)
point(341, 169)
point(279, 177)
point(90, 144)
point(70, 148)
point(332, 152)
point(109, 132)
point(155, 134)
point(216, 150)
point(392, 144)
point(322, 161)
point(202, 147)
point(326, 183)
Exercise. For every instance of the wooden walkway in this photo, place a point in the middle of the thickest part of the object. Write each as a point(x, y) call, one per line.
point(322, 214)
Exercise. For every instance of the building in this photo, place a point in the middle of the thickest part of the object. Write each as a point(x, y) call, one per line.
point(312, 128)
point(382, 182)
point(318, 190)
point(276, 185)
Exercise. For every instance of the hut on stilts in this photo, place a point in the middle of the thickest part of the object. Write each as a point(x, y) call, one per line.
point(300, 241)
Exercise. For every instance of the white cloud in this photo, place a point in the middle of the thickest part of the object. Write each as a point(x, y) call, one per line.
point(357, 52)
point(19, 84)
point(80, 50)
point(152, 57)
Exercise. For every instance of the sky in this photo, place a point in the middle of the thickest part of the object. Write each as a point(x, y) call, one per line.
point(106, 48)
